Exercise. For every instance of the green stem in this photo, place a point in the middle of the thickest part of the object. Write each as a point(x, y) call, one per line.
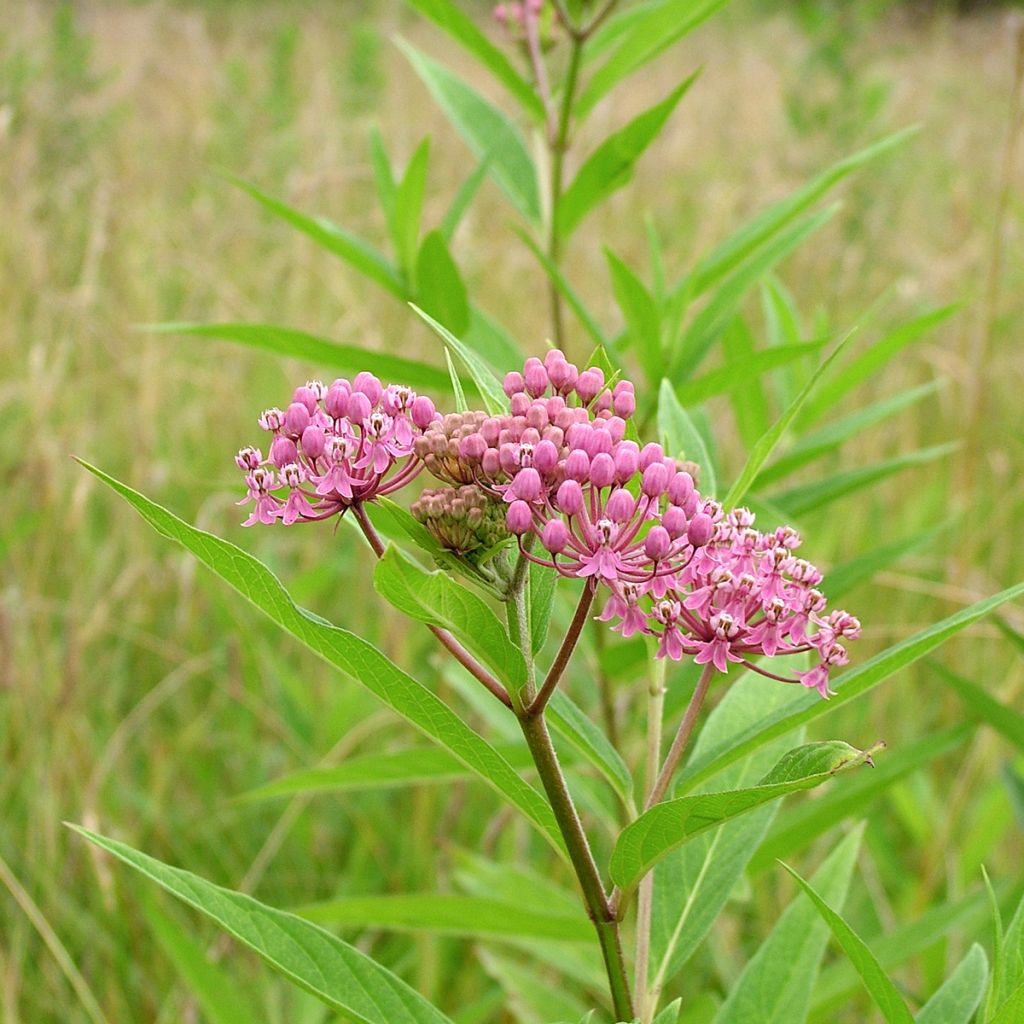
point(558, 666)
point(538, 739)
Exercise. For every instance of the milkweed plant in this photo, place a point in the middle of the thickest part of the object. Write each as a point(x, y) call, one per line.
point(526, 510)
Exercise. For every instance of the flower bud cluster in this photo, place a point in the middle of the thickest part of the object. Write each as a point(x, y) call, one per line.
point(334, 446)
point(462, 519)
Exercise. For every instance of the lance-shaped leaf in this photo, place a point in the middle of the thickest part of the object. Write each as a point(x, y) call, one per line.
point(960, 995)
point(339, 975)
point(885, 994)
point(485, 129)
point(435, 598)
point(610, 166)
point(357, 658)
point(1002, 718)
point(439, 286)
point(666, 826)
point(680, 436)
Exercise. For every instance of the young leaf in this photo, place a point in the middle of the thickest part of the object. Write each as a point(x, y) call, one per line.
point(354, 251)
point(408, 208)
point(961, 994)
point(383, 177)
point(355, 657)
point(448, 914)
point(680, 437)
point(668, 825)
point(336, 973)
point(439, 286)
point(485, 129)
point(490, 389)
point(438, 600)
point(850, 685)
point(1002, 718)
point(775, 986)
point(292, 344)
point(610, 166)
point(670, 1014)
point(884, 993)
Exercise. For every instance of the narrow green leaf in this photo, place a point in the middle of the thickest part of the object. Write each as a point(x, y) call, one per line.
point(1003, 719)
point(354, 251)
point(670, 1014)
point(775, 986)
point(961, 994)
point(464, 198)
point(850, 685)
point(766, 445)
point(882, 990)
point(355, 657)
point(495, 400)
point(435, 598)
point(447, 16)
point(293, 344)
point(610, 166)
point(492, 342)
point(668, 825)
point(1011, 1011)
point(484, 128)
point(843, 578)
point(336, 973)
point(384, 179)
point(542, 587)
point(408, 209)
point(640, 311)
point(461, 405)
point(448, 914)
point(681, 438)
point(439, 286)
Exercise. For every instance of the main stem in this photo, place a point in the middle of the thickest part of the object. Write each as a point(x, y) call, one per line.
point(538, 739)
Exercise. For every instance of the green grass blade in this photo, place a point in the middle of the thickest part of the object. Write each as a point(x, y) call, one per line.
point(336, 973)
point(956, 1001)
point(354, 656)
point(884, 993)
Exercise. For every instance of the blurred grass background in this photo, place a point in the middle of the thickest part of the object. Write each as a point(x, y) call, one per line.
point(139, 697)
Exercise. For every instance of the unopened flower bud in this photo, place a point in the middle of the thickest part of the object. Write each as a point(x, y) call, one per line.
point(589, 384)
point(570, 497)
point(627, 461)
point(336, 400)
point(472, 448)
point(519, 404)
point(621, 506)
point(577, 465)
point(283, 451)
point(513, 384)
point(313, 441)
point(366, 383)
point(602, 470)
point(490, 464)
point(700, 530)
point(519, 517)
point(674, 520)
point(655, 480)
point(359, 407)
point(545, 457)
point(651, 453)
point(307, 397)
point(527, 484)
point(296, 419)
point(423, 412)
point(624, 404)
point(657, 543)
point(535, 377)
point(555, 536)
point(680, 489)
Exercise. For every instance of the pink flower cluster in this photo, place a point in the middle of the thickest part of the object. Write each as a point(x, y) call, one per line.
point(334, 446)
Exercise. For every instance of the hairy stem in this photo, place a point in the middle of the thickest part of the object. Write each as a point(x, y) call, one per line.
point(538, 739)
point(565, 651)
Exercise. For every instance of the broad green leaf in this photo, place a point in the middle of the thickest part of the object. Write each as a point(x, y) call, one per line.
point(447, 16)
point(640, 311)
point(868, 363)
point(668, 825)
point(354, 251)
point(850, 685)
point(1004, 719)
point(843, 578)
point(408, 209)
point(727, 255)
point(610, 166)
point(680, 437)
point(416, 766)
point(435, 598)
point(448, 914)
point(829, 438)
point(222, 1000)
point(485, 129)
point(775, 986)
point(884, 993)
point(439, 286)
point(799, 501)
point(542, 585)
point(766, 445)
point(349, 359)
point(490, 389)
point(796, 827)
point(355, 657)
point(961, 994)
point(339, 975)
point(650, 32)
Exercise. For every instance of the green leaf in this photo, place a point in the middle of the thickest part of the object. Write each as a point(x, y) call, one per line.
point(449, 914)
point(416, 766)
point(463, 198)
point(670, 1014)
point(1003, 719)
point(961, 994)
point(640, 311)
point(766, 445)
point(354, 251)
point(485, 129)
point(1011, 1011)
point(543, 582)
point(680, 437)
point(650, 32)
point(851, 684)
point(336, 973)
point(843, 578)
point(495, 400)
point(447, 16)
point(668, 825)
point(292, 344)
point(435, 598)
point(461, 405)
point(384, 179)
point(775, 986)
point(353, 655)
point(610, 166)
point(220, 998)
point(882, 990)
point(408, 209)
point(439, 286)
